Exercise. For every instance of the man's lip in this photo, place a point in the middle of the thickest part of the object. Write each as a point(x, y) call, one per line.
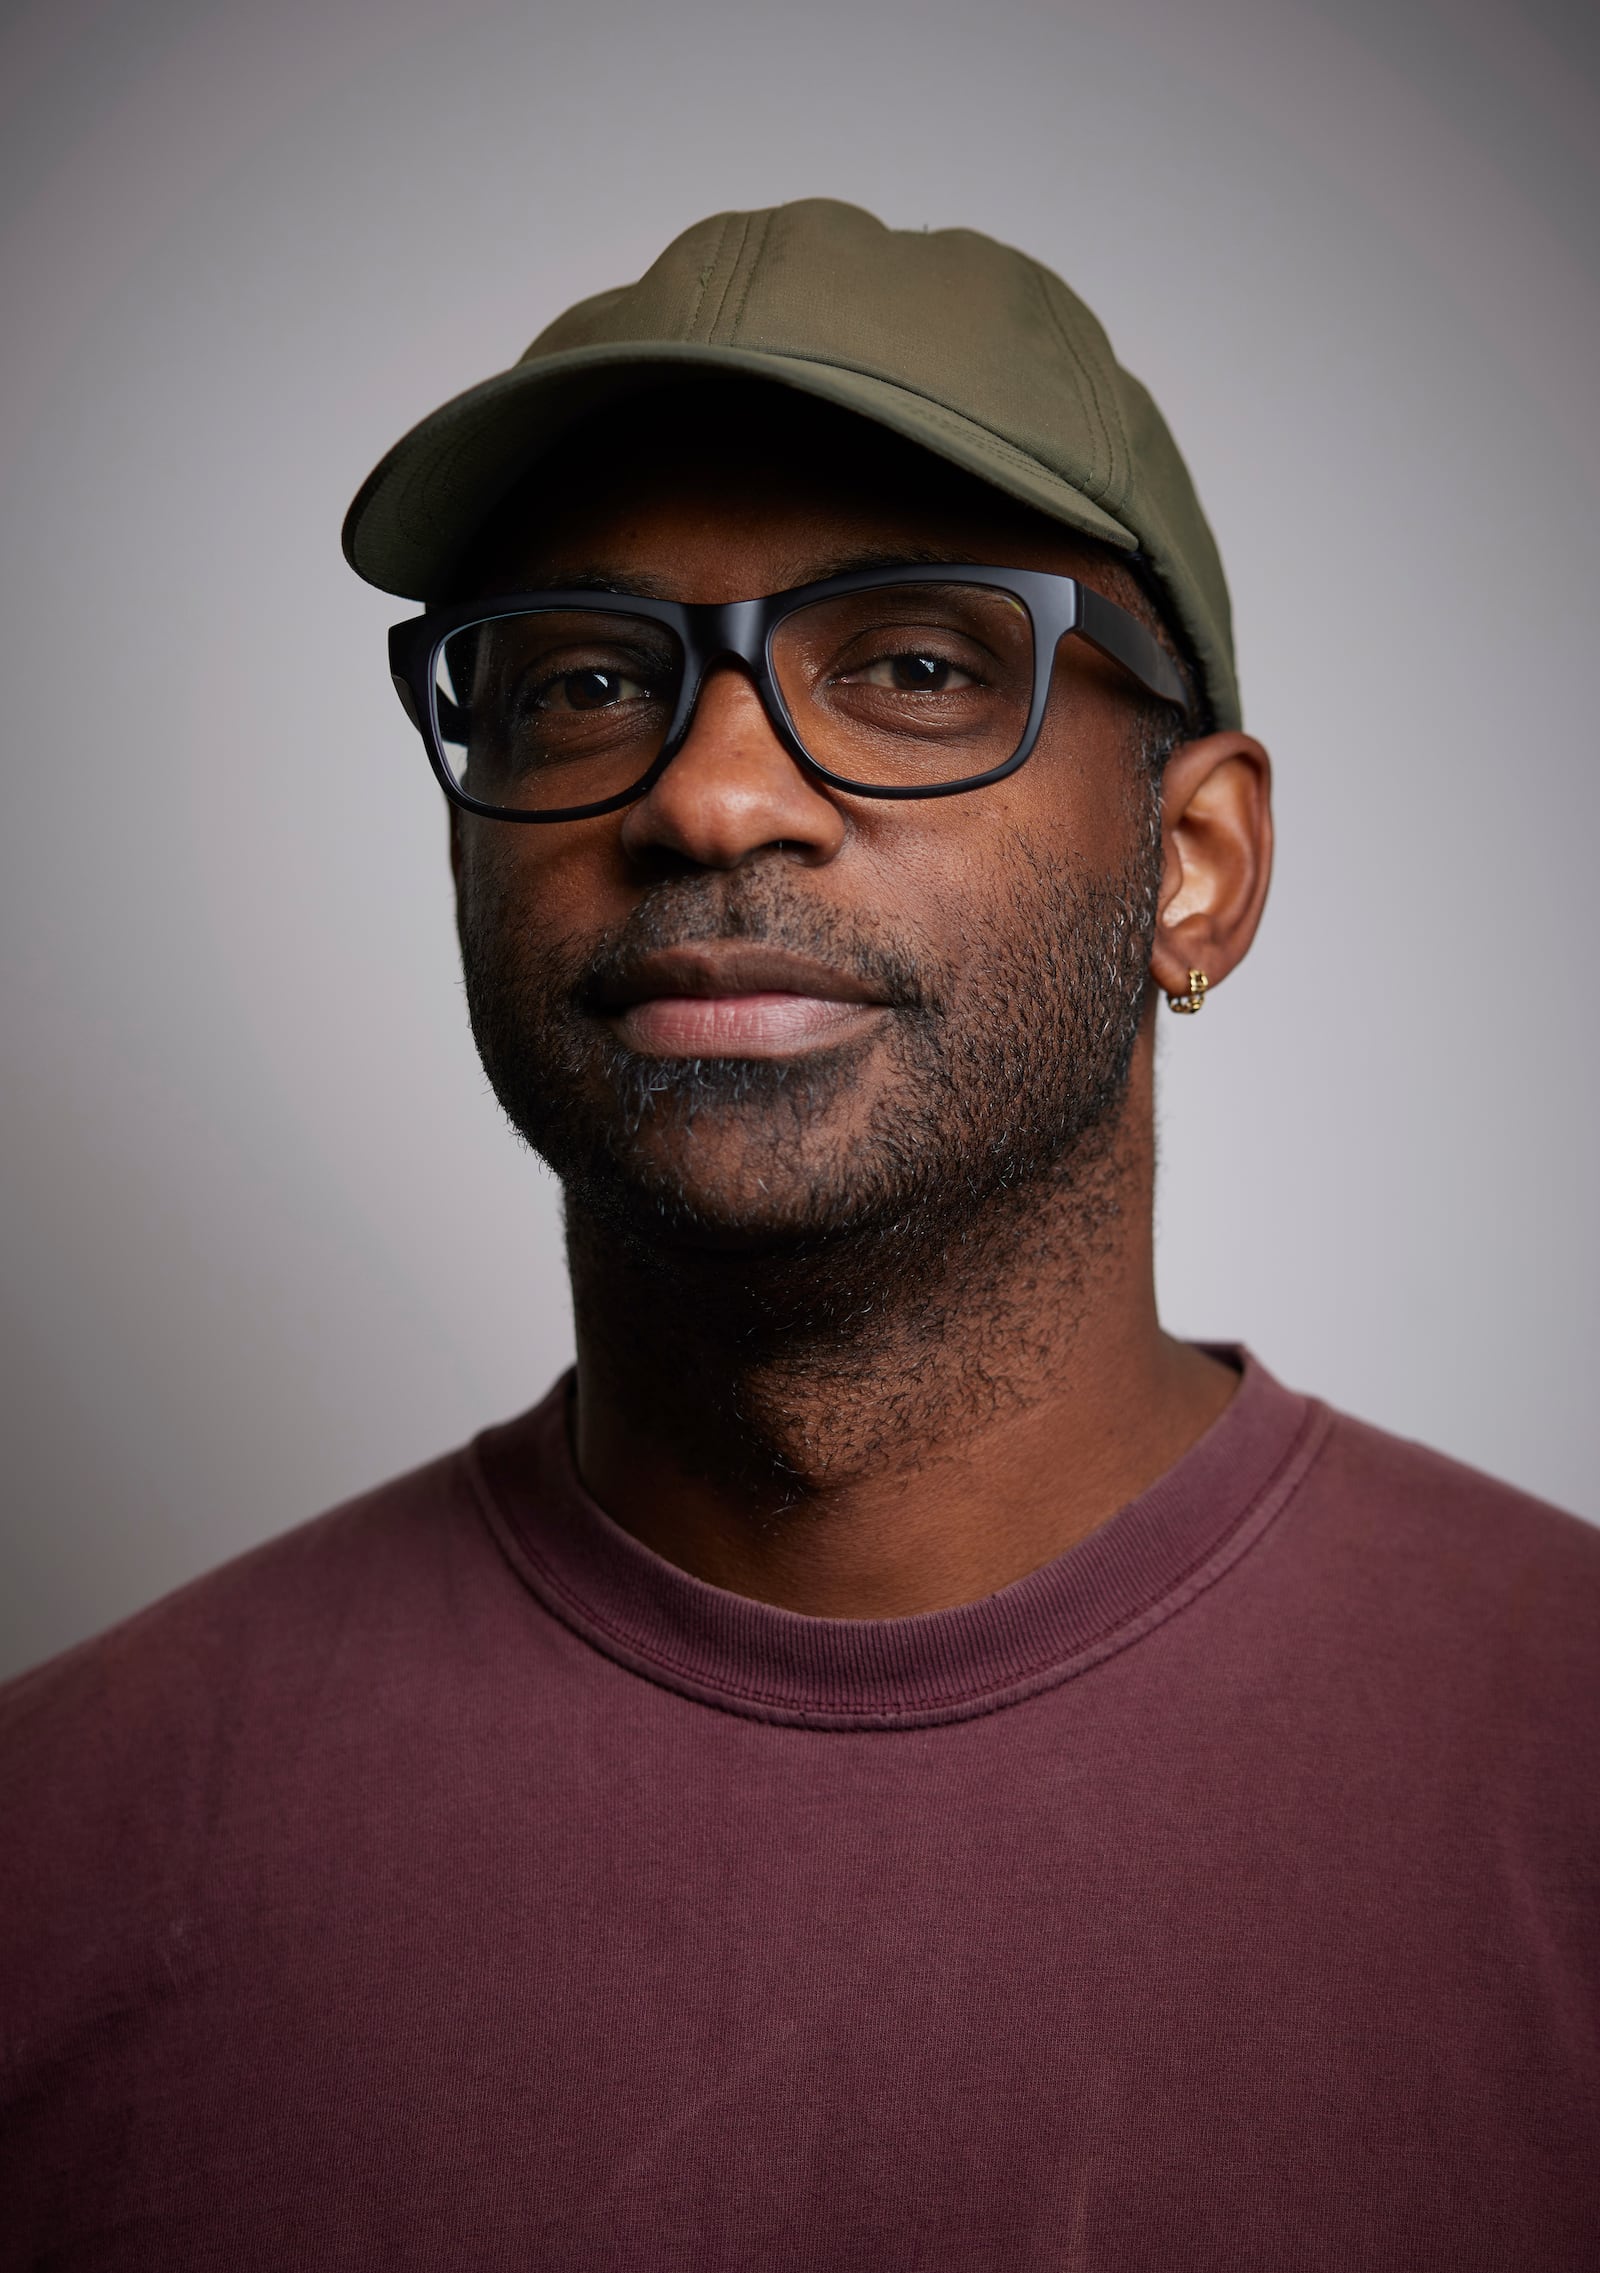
point(722, 969)
point(741, 1025)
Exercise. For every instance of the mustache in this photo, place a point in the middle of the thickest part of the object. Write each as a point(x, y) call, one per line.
point(760, 912)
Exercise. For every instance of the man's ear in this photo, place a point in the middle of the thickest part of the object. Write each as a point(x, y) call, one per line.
point(1216, 834)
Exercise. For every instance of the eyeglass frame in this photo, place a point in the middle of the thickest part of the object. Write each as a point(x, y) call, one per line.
point(741, 631)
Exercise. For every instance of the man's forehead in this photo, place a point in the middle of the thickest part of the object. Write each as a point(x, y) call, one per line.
point(631, 572)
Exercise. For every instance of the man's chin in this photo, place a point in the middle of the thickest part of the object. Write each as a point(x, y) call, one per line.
point(729, 1154)
point(718, 1186)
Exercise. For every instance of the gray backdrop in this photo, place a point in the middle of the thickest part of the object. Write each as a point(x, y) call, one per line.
point(267, 1240)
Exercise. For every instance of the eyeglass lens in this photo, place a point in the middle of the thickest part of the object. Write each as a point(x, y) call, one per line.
point(897, 686)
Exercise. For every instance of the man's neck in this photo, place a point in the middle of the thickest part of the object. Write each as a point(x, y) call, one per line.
point(897, 1424)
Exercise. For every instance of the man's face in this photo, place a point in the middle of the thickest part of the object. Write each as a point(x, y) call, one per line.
point(750, 1010)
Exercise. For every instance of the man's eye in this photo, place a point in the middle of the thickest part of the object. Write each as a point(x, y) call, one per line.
point(914, 674)
point(592, 689)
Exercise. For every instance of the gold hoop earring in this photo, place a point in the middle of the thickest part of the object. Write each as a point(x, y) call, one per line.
point(1195, 999)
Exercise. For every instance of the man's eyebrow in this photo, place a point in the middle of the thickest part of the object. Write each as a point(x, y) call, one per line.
point(639, 582)
point(863, 558)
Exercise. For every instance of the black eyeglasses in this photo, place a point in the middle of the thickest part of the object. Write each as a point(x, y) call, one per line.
point(898, 682)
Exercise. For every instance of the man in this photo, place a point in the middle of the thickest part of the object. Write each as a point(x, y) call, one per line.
point(899, 1763)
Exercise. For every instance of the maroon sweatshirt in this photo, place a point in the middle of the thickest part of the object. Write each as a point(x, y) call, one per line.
point(454, 1884)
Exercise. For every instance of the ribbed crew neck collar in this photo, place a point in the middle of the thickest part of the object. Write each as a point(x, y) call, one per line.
point(1124, 1579)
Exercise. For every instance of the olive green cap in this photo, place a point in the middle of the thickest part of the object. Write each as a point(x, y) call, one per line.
point(956, 342)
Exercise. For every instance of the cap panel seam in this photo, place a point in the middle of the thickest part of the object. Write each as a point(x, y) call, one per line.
point(752, 264)
point(706, 274)
point(1119, 455)
point(730, 270)
point(1083, 378)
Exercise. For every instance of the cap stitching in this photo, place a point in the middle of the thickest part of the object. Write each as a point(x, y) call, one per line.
point(715, 316)
point(1117, 468)
point(752, 264)
point(1119, 456)
point(706, 274)
point(1082, 378)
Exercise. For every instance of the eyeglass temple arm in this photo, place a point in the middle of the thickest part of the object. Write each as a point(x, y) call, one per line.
point(452, 718)
point(1117, 634)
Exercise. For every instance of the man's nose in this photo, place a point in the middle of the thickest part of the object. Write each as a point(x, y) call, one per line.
point(732, 790)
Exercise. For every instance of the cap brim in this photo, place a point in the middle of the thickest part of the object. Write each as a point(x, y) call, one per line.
point(418, 510)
